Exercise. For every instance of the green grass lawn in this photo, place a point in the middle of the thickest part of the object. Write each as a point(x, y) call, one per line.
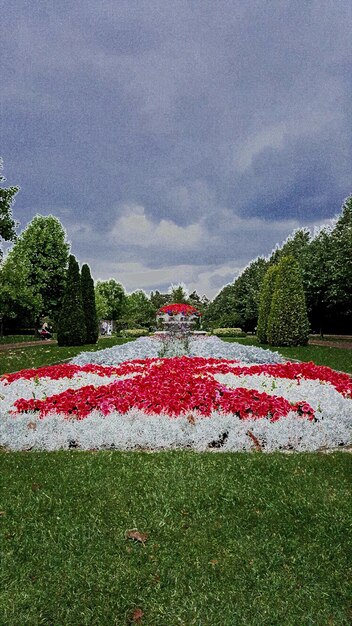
point(233, 539)
point(339, 359)
point(15, 359)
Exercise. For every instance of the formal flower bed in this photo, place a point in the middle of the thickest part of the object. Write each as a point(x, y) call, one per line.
point(205, 403)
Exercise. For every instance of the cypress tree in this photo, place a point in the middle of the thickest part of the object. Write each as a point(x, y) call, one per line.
point(288, 321)
point(71, 327)
point(266, 296)
point(89, 308)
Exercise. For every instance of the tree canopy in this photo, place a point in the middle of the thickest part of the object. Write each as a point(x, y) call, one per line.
point(7, 198)
point(43, 245)
point(110, 299)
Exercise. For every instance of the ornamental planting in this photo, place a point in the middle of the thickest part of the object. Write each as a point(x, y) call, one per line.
point(205, 403)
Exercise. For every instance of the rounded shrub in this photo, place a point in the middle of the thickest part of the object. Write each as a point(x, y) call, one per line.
point(266, 296)
point(71, 329)
point(288, 320)
point(89, 308)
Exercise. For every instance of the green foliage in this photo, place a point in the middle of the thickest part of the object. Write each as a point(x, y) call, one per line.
point(72, 327)
point(340, 263)
point(7, 198)
point(18, 298)
point(247, 293)
point(237, 304)
point(296, 245)
point(325, 261)
point(266, 296)
point(44, 248)
point(88, 299)
point(318, 277)
point(229, 332)
point(138, 312)
point(134, 332)
point(158, 299)
point(200, 303)
point(110, 299)
point(221, 311)
point(178, 294)
point(288, 321)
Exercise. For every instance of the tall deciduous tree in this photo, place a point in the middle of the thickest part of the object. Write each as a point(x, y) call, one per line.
point(43, 244)
point(158, 299)
point(266, 296)
point(7, 198)
point(89, 308)
point(317, 280)
point(18, 299)
point(288, 320)
point(178, 294)
point(247, 294)
point(71, 329)
point(340, 264)
point(139, 312)
point(296, 245)
point(111, 299)
point(221, 311)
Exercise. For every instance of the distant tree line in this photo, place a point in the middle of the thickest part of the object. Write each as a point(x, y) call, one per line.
point(325, 263)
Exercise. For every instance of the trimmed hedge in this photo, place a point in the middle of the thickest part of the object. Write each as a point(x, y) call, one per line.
point(134, 332)
point(266, 296)
point(288, 320)
point(229, 332)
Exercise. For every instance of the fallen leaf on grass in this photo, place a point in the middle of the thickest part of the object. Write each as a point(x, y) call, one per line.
point(136, 536)
point(255, 440)
point(213, 562)
point(136, 616)
point(2, 513)
point(35, 486)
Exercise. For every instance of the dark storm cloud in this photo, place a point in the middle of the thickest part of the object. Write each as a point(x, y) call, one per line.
point(227, 123)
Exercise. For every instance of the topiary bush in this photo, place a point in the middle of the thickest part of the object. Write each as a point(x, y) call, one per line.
point(288, 320)
point(71, 329)
point(134, 332)
point(89, 308)
point(266, 296)
point(229, 332)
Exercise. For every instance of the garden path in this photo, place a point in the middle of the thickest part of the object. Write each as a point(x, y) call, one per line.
point(347, 345)
point(25, 344)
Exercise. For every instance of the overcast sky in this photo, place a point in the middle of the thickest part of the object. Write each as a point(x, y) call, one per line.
point(176, 140)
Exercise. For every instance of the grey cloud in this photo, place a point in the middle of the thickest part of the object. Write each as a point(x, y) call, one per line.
point(202, 113)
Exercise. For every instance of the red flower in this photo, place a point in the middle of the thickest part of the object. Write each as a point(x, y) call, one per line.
point(175, 309)
point(173, 386)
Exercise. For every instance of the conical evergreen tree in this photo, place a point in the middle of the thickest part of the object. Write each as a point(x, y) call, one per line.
point(89, 308)
point(288, 321)
point(266, 296)
point(72, 327)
